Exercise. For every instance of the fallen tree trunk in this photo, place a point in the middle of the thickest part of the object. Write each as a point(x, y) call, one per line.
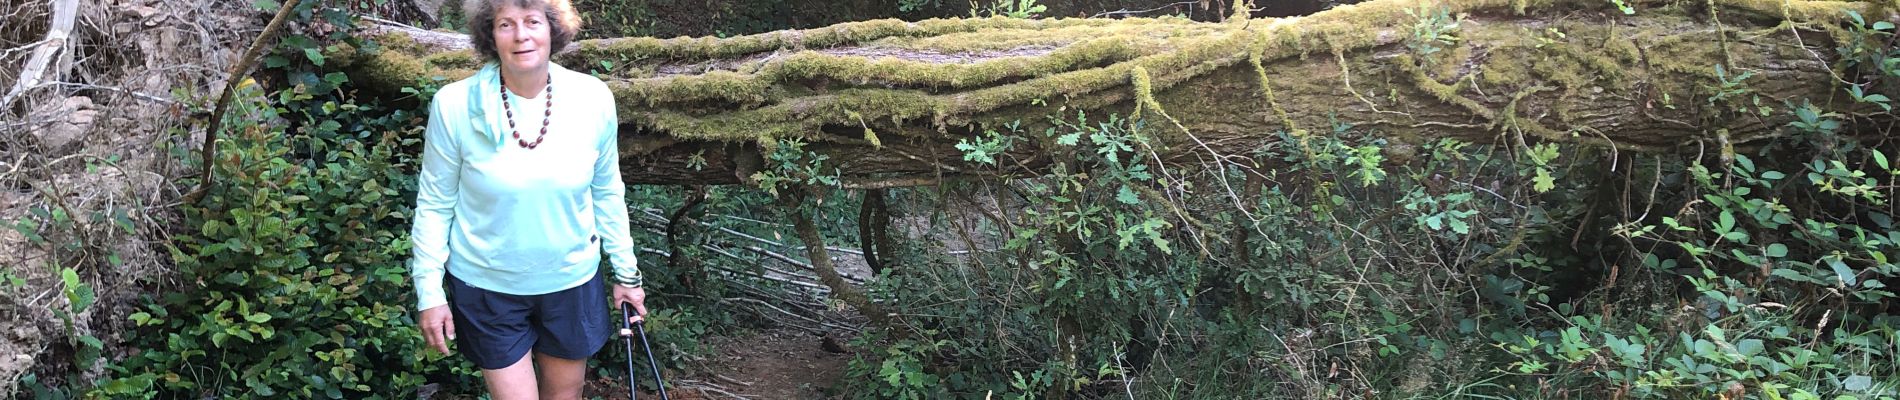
point(886, 102)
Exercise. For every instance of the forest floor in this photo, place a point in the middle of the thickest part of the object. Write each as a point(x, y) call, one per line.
point(775, 363)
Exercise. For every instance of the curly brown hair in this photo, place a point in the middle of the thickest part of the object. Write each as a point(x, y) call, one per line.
point(563, 23)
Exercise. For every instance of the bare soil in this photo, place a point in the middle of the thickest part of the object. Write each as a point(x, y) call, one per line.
point(770, 364)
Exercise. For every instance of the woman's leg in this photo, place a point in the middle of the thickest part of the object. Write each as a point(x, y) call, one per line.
point(561, 379)
point(571, 325)
point(514, 382)
point(494, 333)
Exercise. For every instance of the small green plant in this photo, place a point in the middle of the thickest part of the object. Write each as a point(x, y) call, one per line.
point(1625, 6)
point(993, 144)
point(788, 164)
point(917, 5)
point(1433, 30)
point(1020, 9)
point(79, 298)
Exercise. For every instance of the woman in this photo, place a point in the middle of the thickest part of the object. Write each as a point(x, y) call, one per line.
point(520, 193)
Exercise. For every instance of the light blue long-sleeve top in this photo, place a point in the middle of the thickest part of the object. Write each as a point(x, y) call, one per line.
point(514, 220)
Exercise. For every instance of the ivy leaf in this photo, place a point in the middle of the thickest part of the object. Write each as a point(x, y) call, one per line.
point(1857, 383)
point(1777, 250)
point(1069, 139)
point(1792, 275)
point(1842, 271)
point(314, 54)
point(1458, 225)
point(92, 341)
point(1543, 182)
point(1749, 347)
point(336, 78)
point(78, 294)
point(1127, 196)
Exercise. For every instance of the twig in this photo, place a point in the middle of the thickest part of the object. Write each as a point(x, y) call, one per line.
point(775, 308)
point(652, 214)
point(813, 286)
point(387, 22)
point(1492, 193)
point(209, 151)
point(139, 95)
point(872, 183)
point(704, 386)
point(794, 262)
point(1125, 11)
point(731, 380)
point(24, 47)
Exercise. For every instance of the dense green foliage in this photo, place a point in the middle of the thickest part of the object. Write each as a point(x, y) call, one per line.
point(1522, 269)
point(1518, 270)
point(294, 283)
point(1513, 271)
point(294, 263)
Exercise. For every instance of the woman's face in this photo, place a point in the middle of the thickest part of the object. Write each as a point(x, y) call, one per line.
point(521, 38)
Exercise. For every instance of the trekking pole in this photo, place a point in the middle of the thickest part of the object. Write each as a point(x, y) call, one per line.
point(626, 332)
point(640, 327)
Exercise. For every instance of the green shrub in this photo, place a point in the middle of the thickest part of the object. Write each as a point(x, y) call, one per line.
point(292, 273)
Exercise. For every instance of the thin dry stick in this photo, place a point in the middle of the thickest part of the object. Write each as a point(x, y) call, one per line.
point(209, 151)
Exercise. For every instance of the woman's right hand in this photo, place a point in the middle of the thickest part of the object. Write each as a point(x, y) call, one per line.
point(438, 327)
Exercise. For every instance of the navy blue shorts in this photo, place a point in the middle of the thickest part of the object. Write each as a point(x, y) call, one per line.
point(494, 330)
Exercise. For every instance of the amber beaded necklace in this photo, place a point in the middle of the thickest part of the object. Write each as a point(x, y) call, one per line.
point(545, 116)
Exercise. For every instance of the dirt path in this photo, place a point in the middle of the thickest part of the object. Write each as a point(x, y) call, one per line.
point(769, 364)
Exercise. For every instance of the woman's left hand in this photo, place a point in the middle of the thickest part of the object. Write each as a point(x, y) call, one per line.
point(632, 295)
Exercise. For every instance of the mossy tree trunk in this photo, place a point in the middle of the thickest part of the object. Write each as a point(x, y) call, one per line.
point(887, 101)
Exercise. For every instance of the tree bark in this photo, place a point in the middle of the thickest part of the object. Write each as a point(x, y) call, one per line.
point(888, 101)
point(803, 222)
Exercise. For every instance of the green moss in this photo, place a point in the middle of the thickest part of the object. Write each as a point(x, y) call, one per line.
point(798, 118)
point(726, 86)
point(1440, 91)
point(800, 90)
point(464, 59)
point(697, 48)
point(1143, 87)
point(1503, 72)
point(906, 73)
point(1507, 118)
point(1797, 10)
point(1590, 67)
point(976, 42)
point(1266, 90)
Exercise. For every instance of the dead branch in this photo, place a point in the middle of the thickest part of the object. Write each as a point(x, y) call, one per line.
point(64, 12)
point(129, 92)
point(231, 80)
